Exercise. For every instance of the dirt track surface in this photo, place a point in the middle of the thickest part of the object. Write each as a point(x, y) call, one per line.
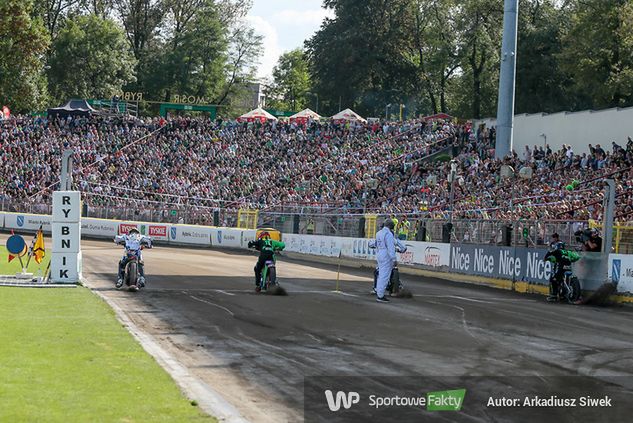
point(256, 350)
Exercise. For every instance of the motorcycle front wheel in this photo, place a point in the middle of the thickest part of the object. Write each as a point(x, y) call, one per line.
point(132, 274)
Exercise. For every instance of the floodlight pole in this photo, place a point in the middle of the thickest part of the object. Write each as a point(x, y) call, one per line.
point(505, 110)
point(607, 221)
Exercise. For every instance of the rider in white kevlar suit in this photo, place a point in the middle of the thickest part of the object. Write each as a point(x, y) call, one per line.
point(132, 241)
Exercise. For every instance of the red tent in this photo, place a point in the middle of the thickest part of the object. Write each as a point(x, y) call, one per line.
point(258, 114)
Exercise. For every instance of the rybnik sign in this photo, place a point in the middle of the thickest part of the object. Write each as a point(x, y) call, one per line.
point(520, 264)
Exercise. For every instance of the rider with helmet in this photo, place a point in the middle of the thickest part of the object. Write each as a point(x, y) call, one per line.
point(132, 241)
point(266, 247)
point(561, 259)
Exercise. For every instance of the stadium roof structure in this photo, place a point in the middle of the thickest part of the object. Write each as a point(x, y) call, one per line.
point(348, 115)
point(74, 107)
point(256, 114)
point(304, 115)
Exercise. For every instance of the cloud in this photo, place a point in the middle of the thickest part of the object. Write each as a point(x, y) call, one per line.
point(271, 48)
point(311, 17)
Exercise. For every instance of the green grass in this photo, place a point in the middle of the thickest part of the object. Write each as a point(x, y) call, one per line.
point(14, 267)
point(65, 358)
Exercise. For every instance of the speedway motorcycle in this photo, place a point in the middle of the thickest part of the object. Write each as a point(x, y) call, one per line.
point(395, 287)
point(132, 274)
point(569, 289)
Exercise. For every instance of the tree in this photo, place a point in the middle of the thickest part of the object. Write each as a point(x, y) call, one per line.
point(90, 59)
point(141, 19)
point(597, 53)
point(54, 12)
point(432, 51)
point(100, 8)
point(480, 23)
point(195, 50)
point(291, 82)
point(541, 84)
point(23, 42)
point(355, 56)
point(241, 62)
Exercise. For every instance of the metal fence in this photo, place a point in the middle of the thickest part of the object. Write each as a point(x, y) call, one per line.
point(335, 221)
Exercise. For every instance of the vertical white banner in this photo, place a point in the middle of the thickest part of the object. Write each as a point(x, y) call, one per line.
point(66, 233)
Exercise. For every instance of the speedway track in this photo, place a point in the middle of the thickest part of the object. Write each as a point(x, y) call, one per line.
point(256, 350)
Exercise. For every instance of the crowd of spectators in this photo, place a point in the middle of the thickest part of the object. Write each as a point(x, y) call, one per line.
point(384, 167)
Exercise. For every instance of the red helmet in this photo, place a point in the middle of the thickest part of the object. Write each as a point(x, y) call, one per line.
point(263, 235)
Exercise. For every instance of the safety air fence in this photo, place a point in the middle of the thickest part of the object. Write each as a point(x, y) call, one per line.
point(515, 264)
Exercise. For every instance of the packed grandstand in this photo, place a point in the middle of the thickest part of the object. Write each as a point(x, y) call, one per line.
point(382, 167)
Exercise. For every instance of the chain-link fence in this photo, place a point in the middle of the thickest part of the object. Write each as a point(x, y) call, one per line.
point(335, 221)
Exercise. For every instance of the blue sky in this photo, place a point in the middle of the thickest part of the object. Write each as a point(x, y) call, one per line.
point(284, 24)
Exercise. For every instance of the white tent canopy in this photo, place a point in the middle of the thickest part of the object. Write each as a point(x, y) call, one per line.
point(305, 115)
point(256, 114)
point(348, 115)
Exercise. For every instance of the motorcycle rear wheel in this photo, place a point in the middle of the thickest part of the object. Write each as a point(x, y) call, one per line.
point(272, 277)
point(574, 293)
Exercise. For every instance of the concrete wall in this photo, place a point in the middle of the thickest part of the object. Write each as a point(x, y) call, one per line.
point(576, 128)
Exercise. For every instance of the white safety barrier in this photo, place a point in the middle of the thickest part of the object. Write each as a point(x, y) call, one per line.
point(434, 256)
point(621, 271)
point(27, 222)
point(191, 235)
point(99, 227)
point(427, 254)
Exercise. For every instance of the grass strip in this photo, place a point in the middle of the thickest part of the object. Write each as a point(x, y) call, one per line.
point(65, 358)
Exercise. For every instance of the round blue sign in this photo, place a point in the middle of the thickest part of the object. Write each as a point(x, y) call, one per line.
point(15, 244)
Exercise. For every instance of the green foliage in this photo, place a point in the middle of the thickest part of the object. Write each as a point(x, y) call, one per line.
point(291, 82)
point(598, 53)
point(542, 85)
point(443, 55)
point(431, 55)
point(23, 42)
point(90, 59)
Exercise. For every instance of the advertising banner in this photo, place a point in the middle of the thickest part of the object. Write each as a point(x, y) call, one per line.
point(27, 222)
point(99, 227)
point(427, 254)
point(226, 237)
point(621, 271)
point(156, 231)
point(194, 235)
point(248, 236)
point(327, 246)
point(522, 264)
